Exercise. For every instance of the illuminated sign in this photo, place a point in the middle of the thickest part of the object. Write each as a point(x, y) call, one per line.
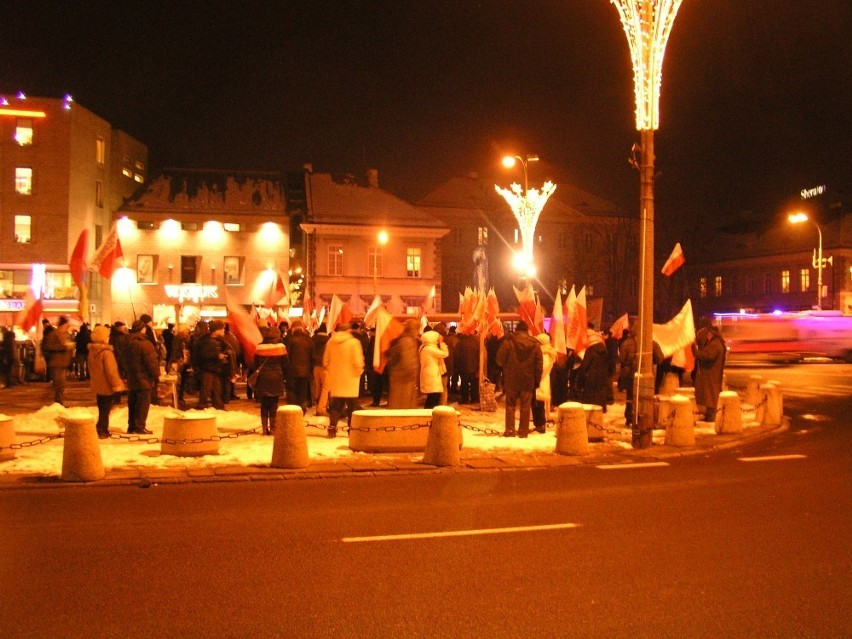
point(11, 306)
point(192, 292)
point(812, 192)
point(23, 114)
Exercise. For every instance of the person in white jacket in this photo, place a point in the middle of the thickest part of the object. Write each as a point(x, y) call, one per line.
point(433, 352)
point(344, 361)
point(541, 406)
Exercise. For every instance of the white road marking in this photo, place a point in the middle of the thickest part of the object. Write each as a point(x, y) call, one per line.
point(771, 458)
point(632, 466)
point(460, 533)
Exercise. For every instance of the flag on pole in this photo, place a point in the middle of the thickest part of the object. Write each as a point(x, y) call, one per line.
point(557, 325)
point(29, 317)
point(576, 337)
point(677, 333)
point(491, 317)
point(428, 303)
point(370, 315)
point(277, 289)
point(77, 263)
point(244, 327)
point(619, 326)
point(388, 328)
point(675, 261)
point(526, 305)
point(106, 257)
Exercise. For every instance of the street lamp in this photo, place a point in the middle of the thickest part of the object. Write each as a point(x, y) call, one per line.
point(381, 240)
point(647, 25)
point(526, 206)
point(818, 262)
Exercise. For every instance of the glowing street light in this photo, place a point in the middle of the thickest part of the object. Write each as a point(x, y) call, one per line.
point(381, 239)
point(526, 205)
point(818, 262)
point(647, 25)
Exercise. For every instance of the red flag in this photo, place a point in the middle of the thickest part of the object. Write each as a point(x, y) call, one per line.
point(388, 328)
point(29, 317)
point(677, 332)
point(277, 289)
point(675, 261)
point(526, 305)
point(576, 336)
point(619, 326)
point(106, 257)
point(370, 315)
point(429, 302)
point(77, 263)
point(557, 325)
point(491, 319)
point(244, 328)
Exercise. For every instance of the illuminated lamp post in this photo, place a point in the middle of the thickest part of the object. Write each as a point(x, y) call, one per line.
point(526, 205)
point(647, 25)
point(818, 262)
point(381, 240)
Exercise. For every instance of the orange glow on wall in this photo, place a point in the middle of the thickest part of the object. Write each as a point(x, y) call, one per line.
point(23, 114)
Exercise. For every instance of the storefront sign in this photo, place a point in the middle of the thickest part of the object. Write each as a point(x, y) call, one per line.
point(193, 292)
point(11, 306)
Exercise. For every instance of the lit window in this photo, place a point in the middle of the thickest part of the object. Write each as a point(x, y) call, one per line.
point(23, 229)
point(785, 281)
point(702, 287)
point(717, 286)
point(127, 173)
point(24, 180)
point(231, 227)
point(139, 178)
point(100, 150)
point(24, 131)
point(99, 194)
point(335, 259)
point(375, 263)
point(482, 235)
point(412, 262)
point(139, 165)
point(805, 279)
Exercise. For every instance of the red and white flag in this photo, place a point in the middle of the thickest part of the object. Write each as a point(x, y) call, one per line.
point(30, 316)
point(77, 263)
point(370, 315)
point(428, 303)
point(619, 326)
point(277, 289)
point(338, 313)
point(677, 333)
point(244, 328)
point(108, 254)
point(557, 325)
point(527, 305)
point(675, 261)
point(576, 336)
point(388, 328)
point(491, 316)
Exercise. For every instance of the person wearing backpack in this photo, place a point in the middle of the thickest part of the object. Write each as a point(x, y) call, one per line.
point(522, 362)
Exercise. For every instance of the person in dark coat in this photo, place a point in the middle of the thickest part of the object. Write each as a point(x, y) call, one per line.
point(270, 360)
point(58, 349)
point(9, 360)
point(451, 340)
point(709, 350)
point(403, 367)
point(143, 370)
point(466, 366)
point(81, 348)
point(319, 388)
point(627, 355)
point(118, 341)
point(593, 376)
point(492, 368)
point(522, 363)
point(300, 365)
point(378, 381)
point(210, 359)
point(168, 337)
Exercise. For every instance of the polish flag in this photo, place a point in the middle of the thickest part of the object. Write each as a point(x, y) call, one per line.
point(244, 328)
point(277, 289)
point(677, 333)
point(428, 303)
point(106, 257)
point(491, 319)
point(338, 313)
point(619, 326)
point(557, 325)
point(388, 328)
point(30, 316)
point(370, 315)
point(526, 305)
point(576, 337)
point(77, 263)
point(675, 261)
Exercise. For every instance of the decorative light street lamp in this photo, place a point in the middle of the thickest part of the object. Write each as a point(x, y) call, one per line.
point(526, 205)
point(381, 240)
point(647, 25)
point(818, 261)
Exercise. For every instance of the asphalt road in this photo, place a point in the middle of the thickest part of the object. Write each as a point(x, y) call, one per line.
point(741, 543)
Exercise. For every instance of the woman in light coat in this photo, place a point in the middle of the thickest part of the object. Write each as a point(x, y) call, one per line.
point(541, 407)
point(344, 362)
point(433, 352)
point(103, 376)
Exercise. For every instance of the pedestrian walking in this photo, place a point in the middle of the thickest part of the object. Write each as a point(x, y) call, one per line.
point(709, 350)
point(344, 361)
point(520, 358)
point(143, 370)
point(433, 353)
point(104, 379)
point(270, 364)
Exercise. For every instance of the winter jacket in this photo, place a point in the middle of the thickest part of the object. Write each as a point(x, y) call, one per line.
point(432, 356)
point(300, 351)
point(271, 361)
point(593, 374)
point(466, 355)
point(344, 361)
point(211, 355)
point(142, 363)
point(103, 369)
point(710, 351)
point(522, 362)
point(319, 341)
point(57, 347)
point(403, 368)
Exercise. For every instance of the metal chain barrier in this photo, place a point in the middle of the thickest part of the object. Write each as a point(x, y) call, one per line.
point(136, 438)
point(32, 442)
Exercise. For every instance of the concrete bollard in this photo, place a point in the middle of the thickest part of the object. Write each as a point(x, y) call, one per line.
point(7, 437)
point(753, 394)
point(179, 429)
point(290, 446)
point(769, 414)
point(594, 422)
point(729, 417)
point(670, 384)
point(663, 412)
point(81, 452)
point(443, 444)
point(681, 430)
point(572, 437)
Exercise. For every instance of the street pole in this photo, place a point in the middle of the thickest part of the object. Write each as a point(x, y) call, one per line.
point(819, 269)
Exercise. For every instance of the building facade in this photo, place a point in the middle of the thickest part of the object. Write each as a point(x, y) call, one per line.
point(63, 169)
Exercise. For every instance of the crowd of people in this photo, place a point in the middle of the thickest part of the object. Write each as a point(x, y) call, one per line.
point(331, 373)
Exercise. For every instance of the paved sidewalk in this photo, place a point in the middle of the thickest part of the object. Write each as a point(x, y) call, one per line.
point(246, 458)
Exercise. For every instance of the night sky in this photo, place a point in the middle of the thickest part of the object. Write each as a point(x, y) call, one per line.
point(756, 99)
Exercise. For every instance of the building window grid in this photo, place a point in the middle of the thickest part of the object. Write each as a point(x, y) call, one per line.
point(702, 286)
point(375, 261)
point(412, 262)
point(335, 259)
point(482, 235)
point(24, 131)
point(785, 281)
point(717, 286)
point(24, 180)
point(23, 229)
point(100, 150)
point(805, 279)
